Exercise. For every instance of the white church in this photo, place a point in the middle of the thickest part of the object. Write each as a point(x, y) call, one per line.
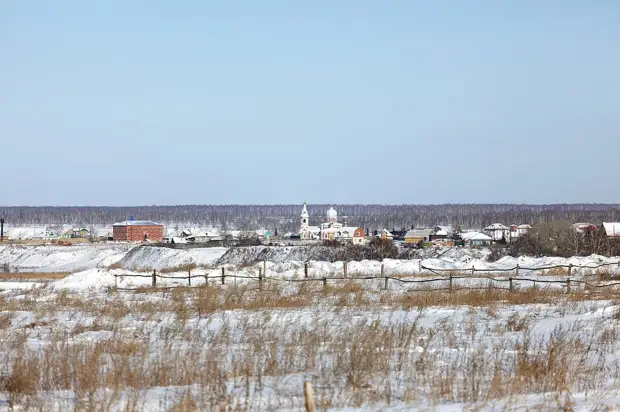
point(329, 230)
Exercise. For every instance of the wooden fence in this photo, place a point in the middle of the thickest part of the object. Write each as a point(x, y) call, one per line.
point(445, 277)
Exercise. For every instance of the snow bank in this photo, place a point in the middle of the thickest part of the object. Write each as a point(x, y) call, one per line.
point(153, 257)
point(89, 278)
point(393, 267)
point(54, 258)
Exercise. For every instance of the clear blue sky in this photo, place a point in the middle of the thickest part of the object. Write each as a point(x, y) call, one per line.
point(157, 102)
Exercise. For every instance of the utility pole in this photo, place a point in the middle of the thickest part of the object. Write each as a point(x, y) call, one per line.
point(1, 229)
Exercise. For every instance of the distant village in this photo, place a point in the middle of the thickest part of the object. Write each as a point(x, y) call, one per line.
point(312, 230)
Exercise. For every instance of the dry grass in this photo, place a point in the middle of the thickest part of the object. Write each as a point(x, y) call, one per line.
point(34, 276)
point(607, 275)
point(188, 267)
point(242, 348)
point(44, 241)
point(477, 297)
point(554, 272)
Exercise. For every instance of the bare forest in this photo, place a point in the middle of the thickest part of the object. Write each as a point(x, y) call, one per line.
point(285, 217)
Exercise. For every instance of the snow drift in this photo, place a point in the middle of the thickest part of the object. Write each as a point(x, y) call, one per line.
point(153, 257)
point(54, 258)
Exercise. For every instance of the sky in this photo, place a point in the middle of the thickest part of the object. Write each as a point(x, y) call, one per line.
point(326, 101)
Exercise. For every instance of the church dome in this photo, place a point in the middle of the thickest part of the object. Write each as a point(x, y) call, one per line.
point(332, 214)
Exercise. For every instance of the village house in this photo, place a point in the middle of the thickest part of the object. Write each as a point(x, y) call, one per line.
point(440, 233)
point(398, 235)
point(75, 233)
point(263, 235)
point(415, 236)
point(175, 240)
point(386, 235)
point(476, 239)
point(497, 232)
point(200, 236)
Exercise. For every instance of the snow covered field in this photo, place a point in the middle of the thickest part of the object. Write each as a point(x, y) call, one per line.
point(79, 343)
point(238, 348)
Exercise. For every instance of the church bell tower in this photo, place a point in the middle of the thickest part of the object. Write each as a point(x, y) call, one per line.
point(304, 217)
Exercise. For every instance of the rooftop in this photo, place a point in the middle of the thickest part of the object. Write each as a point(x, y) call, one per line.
point(137, 223)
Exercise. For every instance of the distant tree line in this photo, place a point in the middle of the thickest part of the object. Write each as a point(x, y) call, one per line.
point(286, 217)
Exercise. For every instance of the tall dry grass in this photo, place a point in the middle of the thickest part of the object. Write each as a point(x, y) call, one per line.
point(243, 348)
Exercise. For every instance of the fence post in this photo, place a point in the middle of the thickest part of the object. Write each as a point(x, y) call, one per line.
point(206, 277)
point(189, 278)
point(154, 278)
point(344, 268)
point(567, 285)
point(570, 269)
point(517, 271)
point(450, 281)
point(306, 270)
point(473, 270)
point(265, 267)
point(382, 269)
point(386, 283)
point(310, 407)
point(223, 275)
point(260, 278)
point(510, 284)
point(324, 283)
point(115, 281)
point(420, 266)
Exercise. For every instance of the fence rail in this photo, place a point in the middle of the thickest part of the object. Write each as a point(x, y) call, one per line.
point(407, 279)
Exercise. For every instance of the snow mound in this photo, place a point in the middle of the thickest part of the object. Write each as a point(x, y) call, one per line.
point(91, 278)
point(153, 257)
point(54, 258)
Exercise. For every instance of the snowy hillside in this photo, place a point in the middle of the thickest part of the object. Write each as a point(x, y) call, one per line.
point(151, 257)
point(53, 258)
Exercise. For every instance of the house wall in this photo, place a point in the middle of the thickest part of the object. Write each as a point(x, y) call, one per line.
point(414, 240)
point(119, 232)
point(359, 240)
point(136, 233)
point(359, 236)
point(202, 239)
